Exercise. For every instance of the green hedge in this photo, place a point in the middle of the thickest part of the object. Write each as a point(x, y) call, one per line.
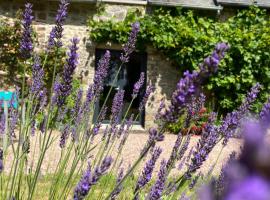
point(186, 38)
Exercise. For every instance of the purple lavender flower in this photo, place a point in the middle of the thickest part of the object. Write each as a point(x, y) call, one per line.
point(129, 47)
point(147, 171)
point(70, 67)
point(250, 98)
point(57, 31)
point(184, 148)
point(157, 189)
point(148, 91)
point(189, 85)
point(1, 161)
point(154, 136)
point(138, 85)
point(265, 114)
point(83, 186)
point(253, 187)
point(174, 152)
point(204, 147)
point(233, 119)
point(185, 89)
point(38, 77)
point(193, 108)
point(89, 97)
point(101, 74)
point(248, 176)
point(64, 136)
point(26, 45)
point(99, 171)
point(78, 101)
point(64, 88)
point(205, 193)
point(118, 102)
point(211, 63)
point(91, 178)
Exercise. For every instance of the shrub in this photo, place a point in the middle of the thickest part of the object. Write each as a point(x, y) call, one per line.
point(11, 60)
point(10, 35)
point(21, 179)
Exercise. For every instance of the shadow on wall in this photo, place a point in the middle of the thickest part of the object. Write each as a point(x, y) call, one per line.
point(162, 74)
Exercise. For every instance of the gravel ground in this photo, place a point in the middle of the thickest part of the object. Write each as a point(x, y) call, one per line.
point(134, 144)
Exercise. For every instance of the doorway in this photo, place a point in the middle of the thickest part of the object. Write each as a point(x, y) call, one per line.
point(129, 74)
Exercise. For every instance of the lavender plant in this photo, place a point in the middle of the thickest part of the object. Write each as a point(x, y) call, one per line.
point(245, 177)
point(87, 152)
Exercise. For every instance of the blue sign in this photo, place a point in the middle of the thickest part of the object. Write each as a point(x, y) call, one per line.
point(10, 97)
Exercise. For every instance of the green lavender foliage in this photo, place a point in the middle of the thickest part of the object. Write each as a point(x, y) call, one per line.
point(186, 37)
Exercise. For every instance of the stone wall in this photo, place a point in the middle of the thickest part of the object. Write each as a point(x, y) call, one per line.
point(159, 70)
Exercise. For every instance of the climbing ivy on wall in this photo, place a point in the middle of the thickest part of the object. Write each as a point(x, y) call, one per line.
point(186, 38)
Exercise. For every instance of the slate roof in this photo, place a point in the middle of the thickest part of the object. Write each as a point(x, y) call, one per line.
point(199, 4)
point(260, 3)
point(196, 4)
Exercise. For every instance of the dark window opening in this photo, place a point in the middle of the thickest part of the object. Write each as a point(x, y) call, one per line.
point(129, 74)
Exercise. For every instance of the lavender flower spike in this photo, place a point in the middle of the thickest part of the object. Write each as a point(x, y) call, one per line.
point(91, 178)
point(158, 187)
point(64, 136)
point(117, 106)
point(232, 120)
point(26, 45)
point(265, 114)
point(66, 85)
point(57, 31)
point(78, 102)
point(138, 85)
point(101, 73)
point(129, 47)
point(210, 64)
point(38, 75)
point(147, 171)
point(191, 82)
point(83, 186)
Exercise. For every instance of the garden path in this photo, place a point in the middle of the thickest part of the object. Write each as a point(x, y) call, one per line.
point(132, 149)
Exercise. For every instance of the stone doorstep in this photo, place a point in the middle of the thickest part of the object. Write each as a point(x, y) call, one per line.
point(135, 128)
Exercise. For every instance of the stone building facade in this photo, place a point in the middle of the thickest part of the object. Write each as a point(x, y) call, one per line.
point(160, 71)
